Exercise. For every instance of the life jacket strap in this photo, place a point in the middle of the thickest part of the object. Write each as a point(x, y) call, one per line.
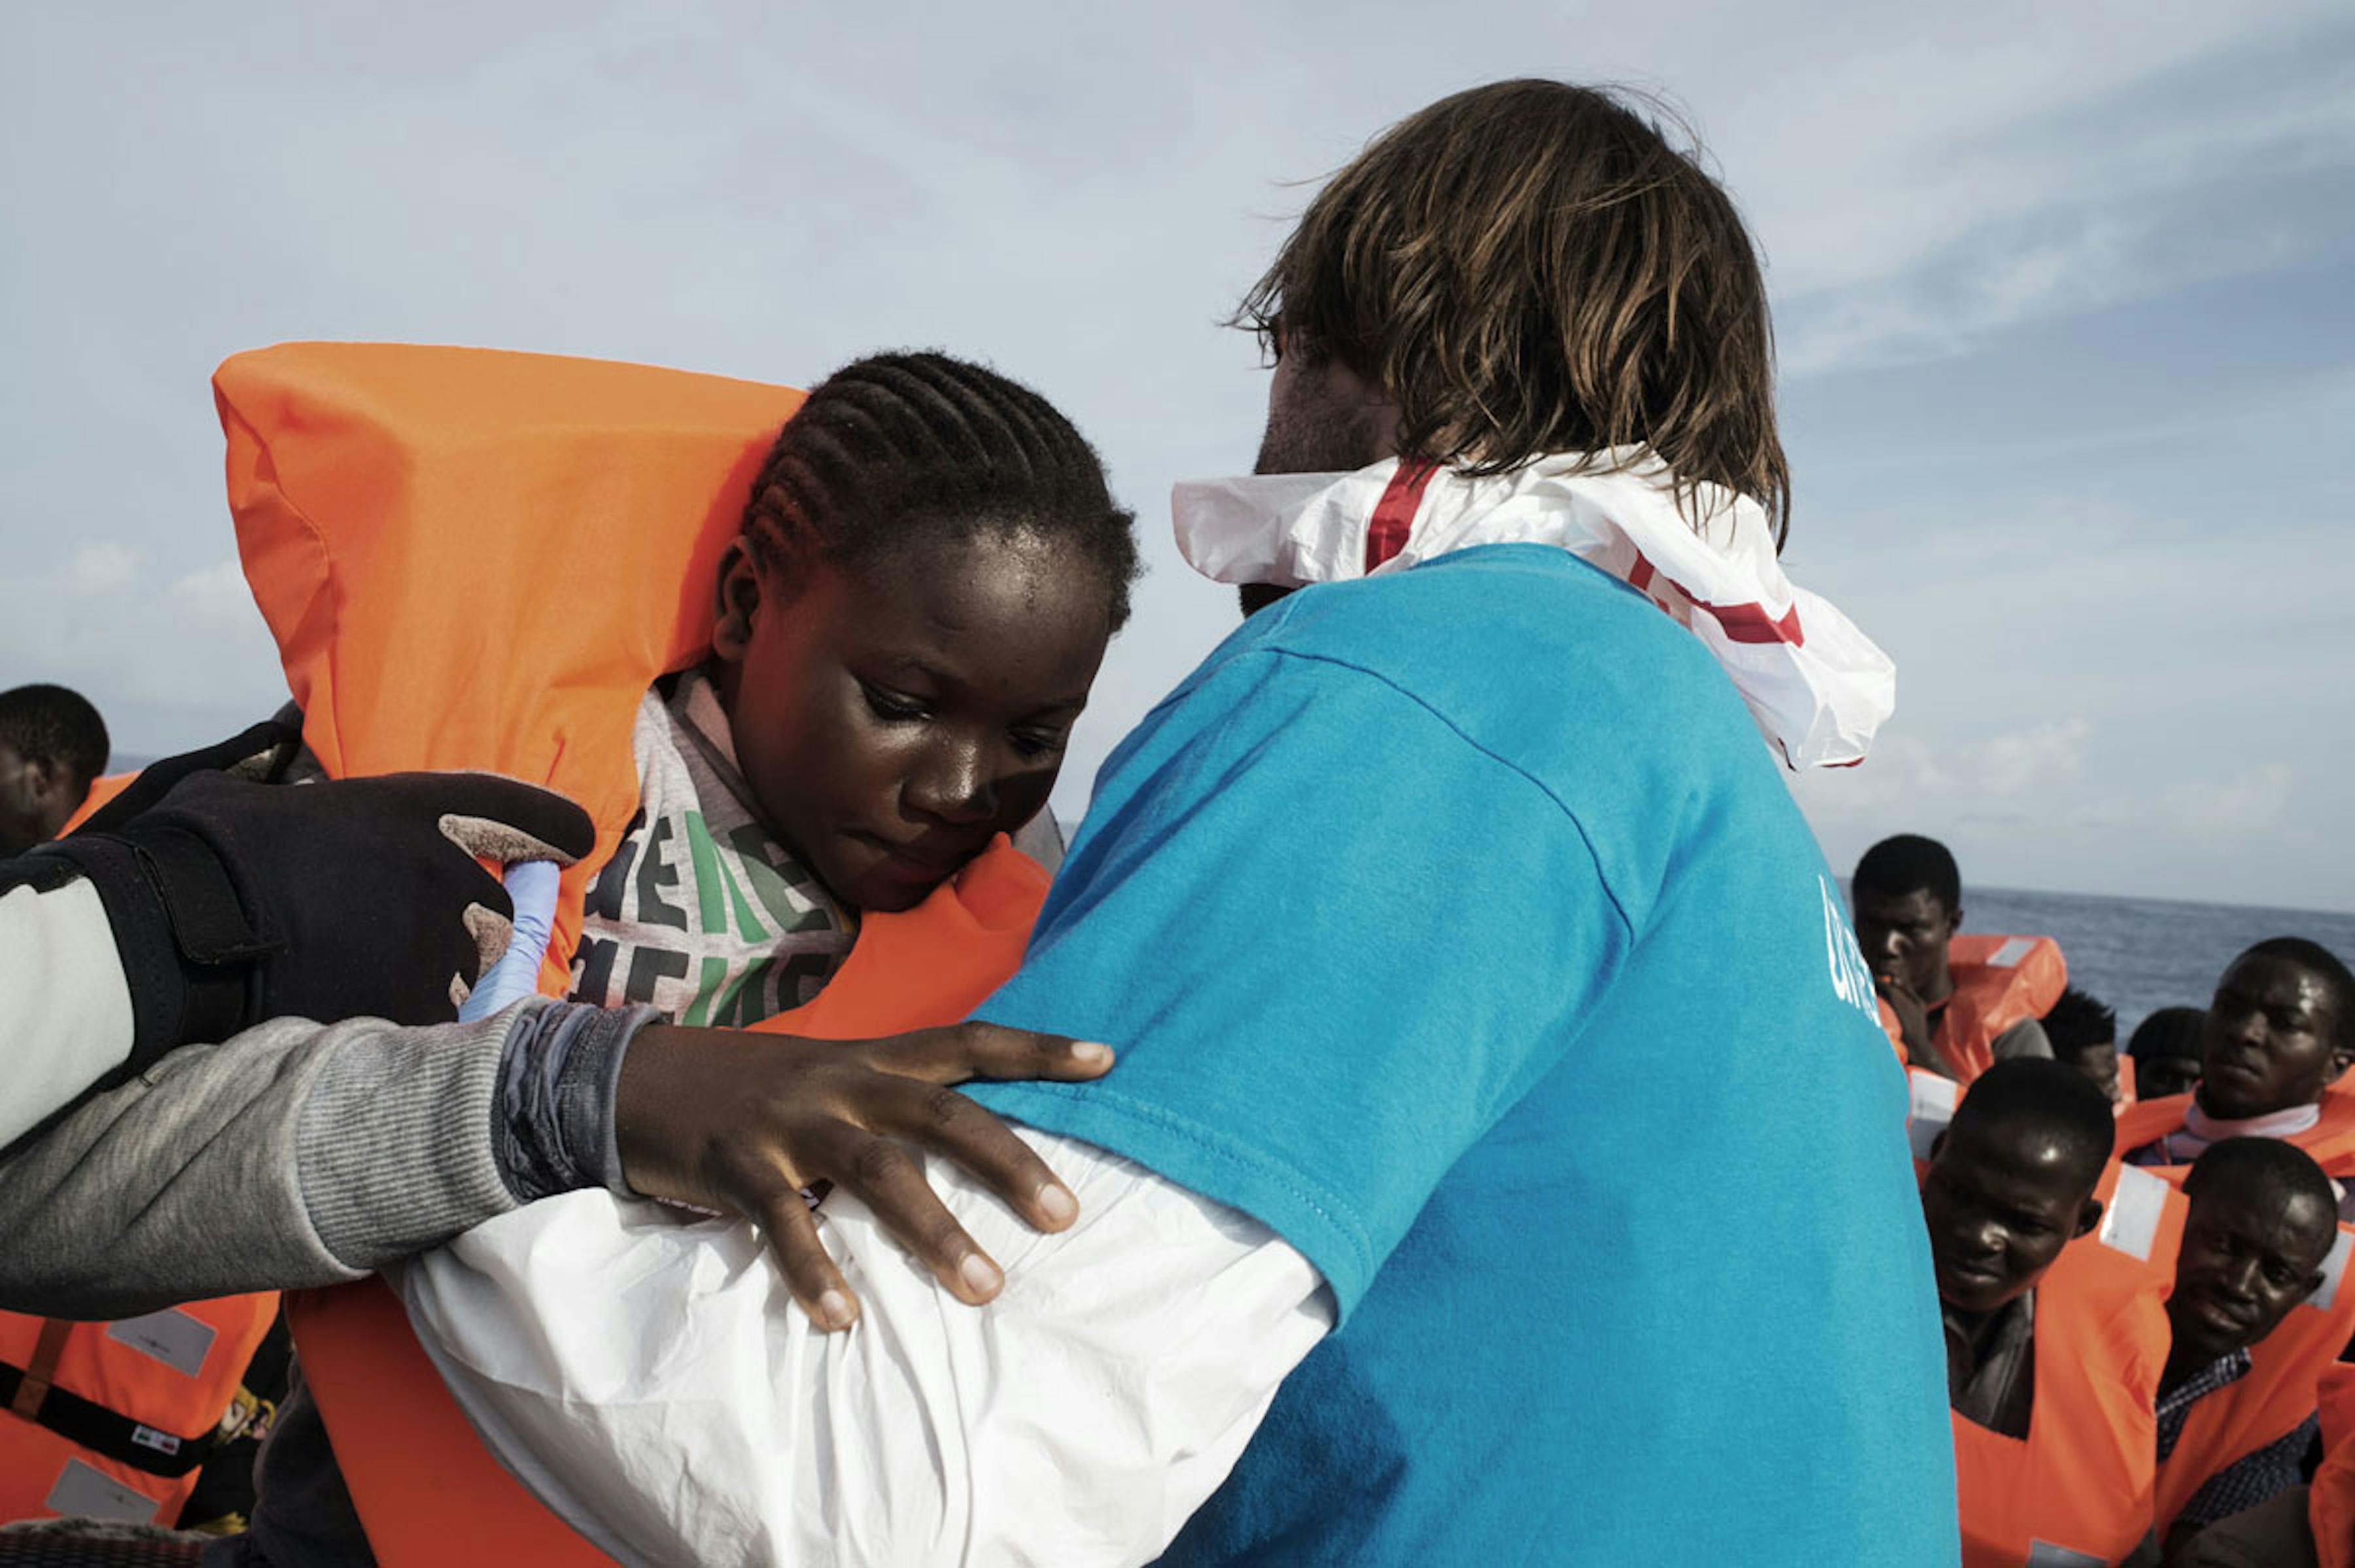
point(31, 1395)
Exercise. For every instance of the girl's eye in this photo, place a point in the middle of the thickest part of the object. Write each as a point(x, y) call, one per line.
point(1035, 743)
point(892, 706)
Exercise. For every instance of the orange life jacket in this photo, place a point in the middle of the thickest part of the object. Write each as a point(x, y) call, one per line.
point(113, 1420)
point(1999, 981)
point(2279, 1391)
point(2330, 1141)
point(474, 559)
point(2331, 1501)
point(2082, 1481)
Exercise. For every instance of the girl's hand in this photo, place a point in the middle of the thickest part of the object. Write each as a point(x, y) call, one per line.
point(741, 1121)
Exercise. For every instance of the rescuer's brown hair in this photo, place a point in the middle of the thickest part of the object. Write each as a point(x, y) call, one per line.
point(1531, 267)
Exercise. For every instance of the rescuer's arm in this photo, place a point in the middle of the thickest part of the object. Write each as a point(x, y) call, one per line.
point(299, 1155)
point(1079, 1419)
point(224, 903)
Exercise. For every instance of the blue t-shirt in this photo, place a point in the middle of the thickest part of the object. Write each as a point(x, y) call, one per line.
point(1456, 924)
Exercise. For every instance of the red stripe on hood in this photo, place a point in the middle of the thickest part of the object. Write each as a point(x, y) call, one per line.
point(1393, 517)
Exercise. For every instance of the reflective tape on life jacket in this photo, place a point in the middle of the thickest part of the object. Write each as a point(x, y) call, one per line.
point(2330, 1142)
point(475, 559)
point(2079, 1487)
point(2330, 1500)
point(113, 1419)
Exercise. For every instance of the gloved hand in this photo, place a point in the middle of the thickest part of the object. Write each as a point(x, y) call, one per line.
point(233, 903)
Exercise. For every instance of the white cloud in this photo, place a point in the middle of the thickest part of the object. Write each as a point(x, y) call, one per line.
point(103, 568)
point(2247, 803)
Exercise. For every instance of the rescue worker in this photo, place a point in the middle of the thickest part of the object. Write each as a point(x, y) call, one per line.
point(1956, 1005)
point(1388, 1182)
point(2053, 1342)
point(211, 914)
point(2262, 1224)
point(2165, 1049)
point(2083, 1034)
point(52, 745)
point(2278, 1034)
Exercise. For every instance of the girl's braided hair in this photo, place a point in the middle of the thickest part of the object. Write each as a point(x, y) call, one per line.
point(897, 450)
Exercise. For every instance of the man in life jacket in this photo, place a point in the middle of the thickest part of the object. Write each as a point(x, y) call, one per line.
point(2165, 1051)
point(2262, 1224)
point(2084, 1035)
point(2054, 1337)
point(52, 743)
point(2011, 1185)
point(2279, 1031)
point(1956, 1005)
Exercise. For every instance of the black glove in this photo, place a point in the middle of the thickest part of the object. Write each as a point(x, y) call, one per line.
point(233, 903)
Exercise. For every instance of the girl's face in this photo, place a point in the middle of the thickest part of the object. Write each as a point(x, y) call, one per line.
point(890, 721)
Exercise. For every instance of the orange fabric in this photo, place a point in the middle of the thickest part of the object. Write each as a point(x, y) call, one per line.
point(2330, 1502)
point(103, 788)
point(113, 1370)
point(2125, 1082)
point(2280, 1390)
point(486, 499)
point(2083, 1478)
point(475, 559)
point(2330, 1141)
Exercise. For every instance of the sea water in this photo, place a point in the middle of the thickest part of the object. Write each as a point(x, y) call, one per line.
point(2141, 954)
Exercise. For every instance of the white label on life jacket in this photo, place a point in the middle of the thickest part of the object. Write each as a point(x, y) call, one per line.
point(174, 1338)
point(82, 1492)
point(2009, 956)
point(149, 1437)
point(2130, 1224)
point(2044, 1554)
point(2334, 1270)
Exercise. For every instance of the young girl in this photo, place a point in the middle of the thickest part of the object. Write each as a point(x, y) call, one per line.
point(929, 568)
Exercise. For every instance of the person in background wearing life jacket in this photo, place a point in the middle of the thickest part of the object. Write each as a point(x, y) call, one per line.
point(2278, 1033)
point(2054, 1335)
point(1908, 899)
point(2012, 1183)
point(52, 743)
point(2165, 1049)
point(2084, 1035)
point(2262, 1221)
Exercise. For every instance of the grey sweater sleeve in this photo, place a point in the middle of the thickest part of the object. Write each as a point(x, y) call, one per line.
point(292, 1155)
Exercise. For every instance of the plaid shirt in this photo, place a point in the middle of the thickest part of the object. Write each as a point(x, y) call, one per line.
point(2247, 1481)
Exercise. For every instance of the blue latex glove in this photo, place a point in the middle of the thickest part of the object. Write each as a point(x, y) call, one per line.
point(531, 884)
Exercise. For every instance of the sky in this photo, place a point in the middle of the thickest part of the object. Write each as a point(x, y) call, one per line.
point(2062, 299)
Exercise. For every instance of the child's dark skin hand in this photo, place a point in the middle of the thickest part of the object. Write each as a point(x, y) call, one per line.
point(741, 1121)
